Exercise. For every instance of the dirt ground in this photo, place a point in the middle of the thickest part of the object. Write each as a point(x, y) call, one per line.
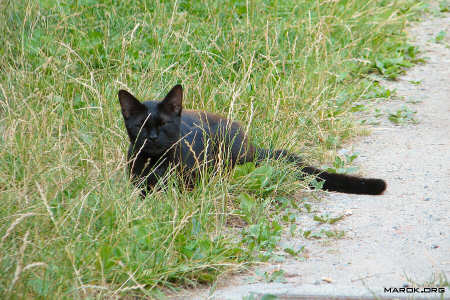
point(395, 240)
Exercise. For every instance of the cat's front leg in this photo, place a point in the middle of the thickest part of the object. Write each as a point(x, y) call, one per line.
point(149, 179)
point(146, 171)
point(155, 175)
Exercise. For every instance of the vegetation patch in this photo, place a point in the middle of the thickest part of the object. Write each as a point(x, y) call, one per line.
point(73, 226)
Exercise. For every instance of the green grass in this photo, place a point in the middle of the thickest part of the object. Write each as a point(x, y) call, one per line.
point(71, 223)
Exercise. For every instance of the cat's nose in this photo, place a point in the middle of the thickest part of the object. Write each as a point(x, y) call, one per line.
point(153, 136)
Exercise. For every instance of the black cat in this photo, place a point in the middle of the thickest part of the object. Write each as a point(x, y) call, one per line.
point(163, 134)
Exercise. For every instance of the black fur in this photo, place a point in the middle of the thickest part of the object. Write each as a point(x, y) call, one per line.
point(162, 134)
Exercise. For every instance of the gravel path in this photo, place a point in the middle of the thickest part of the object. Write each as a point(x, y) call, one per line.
point(397, 239)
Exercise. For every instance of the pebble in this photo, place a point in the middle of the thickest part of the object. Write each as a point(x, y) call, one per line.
point(327, 280)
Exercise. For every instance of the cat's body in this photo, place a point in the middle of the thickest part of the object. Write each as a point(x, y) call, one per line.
point(163, 135)
point(199, 131)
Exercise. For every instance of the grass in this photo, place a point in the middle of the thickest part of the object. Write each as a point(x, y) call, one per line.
point(73, 226)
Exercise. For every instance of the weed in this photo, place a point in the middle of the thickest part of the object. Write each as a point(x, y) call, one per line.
point(403, 56)
point(308, 207)
point(264, 235)
point(415, 82)
point(323, 233)
point(260, 297)
point(444, 6)
point(293, 252)
point(275, 276)
point(402, 116)
point(437, 279)
point(327, 219)
point(377, 91)
point(412, 101)
point(440, 36)
point(378, 113)
point(340, 163)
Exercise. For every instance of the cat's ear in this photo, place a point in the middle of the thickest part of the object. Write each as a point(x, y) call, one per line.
point(130, 105)
point(173, 102)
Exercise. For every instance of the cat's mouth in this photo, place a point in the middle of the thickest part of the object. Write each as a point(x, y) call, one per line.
point(153, 149)
point(149, 149)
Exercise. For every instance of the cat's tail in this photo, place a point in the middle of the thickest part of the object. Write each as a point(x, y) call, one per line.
point(332, 181)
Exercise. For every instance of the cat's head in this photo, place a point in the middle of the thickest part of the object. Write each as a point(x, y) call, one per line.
point(153, 126)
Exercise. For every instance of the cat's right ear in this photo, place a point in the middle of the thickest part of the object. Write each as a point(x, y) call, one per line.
point(130, 105)
point(172, 103)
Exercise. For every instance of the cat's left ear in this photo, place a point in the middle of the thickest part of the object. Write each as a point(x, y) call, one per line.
point(173, 102)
